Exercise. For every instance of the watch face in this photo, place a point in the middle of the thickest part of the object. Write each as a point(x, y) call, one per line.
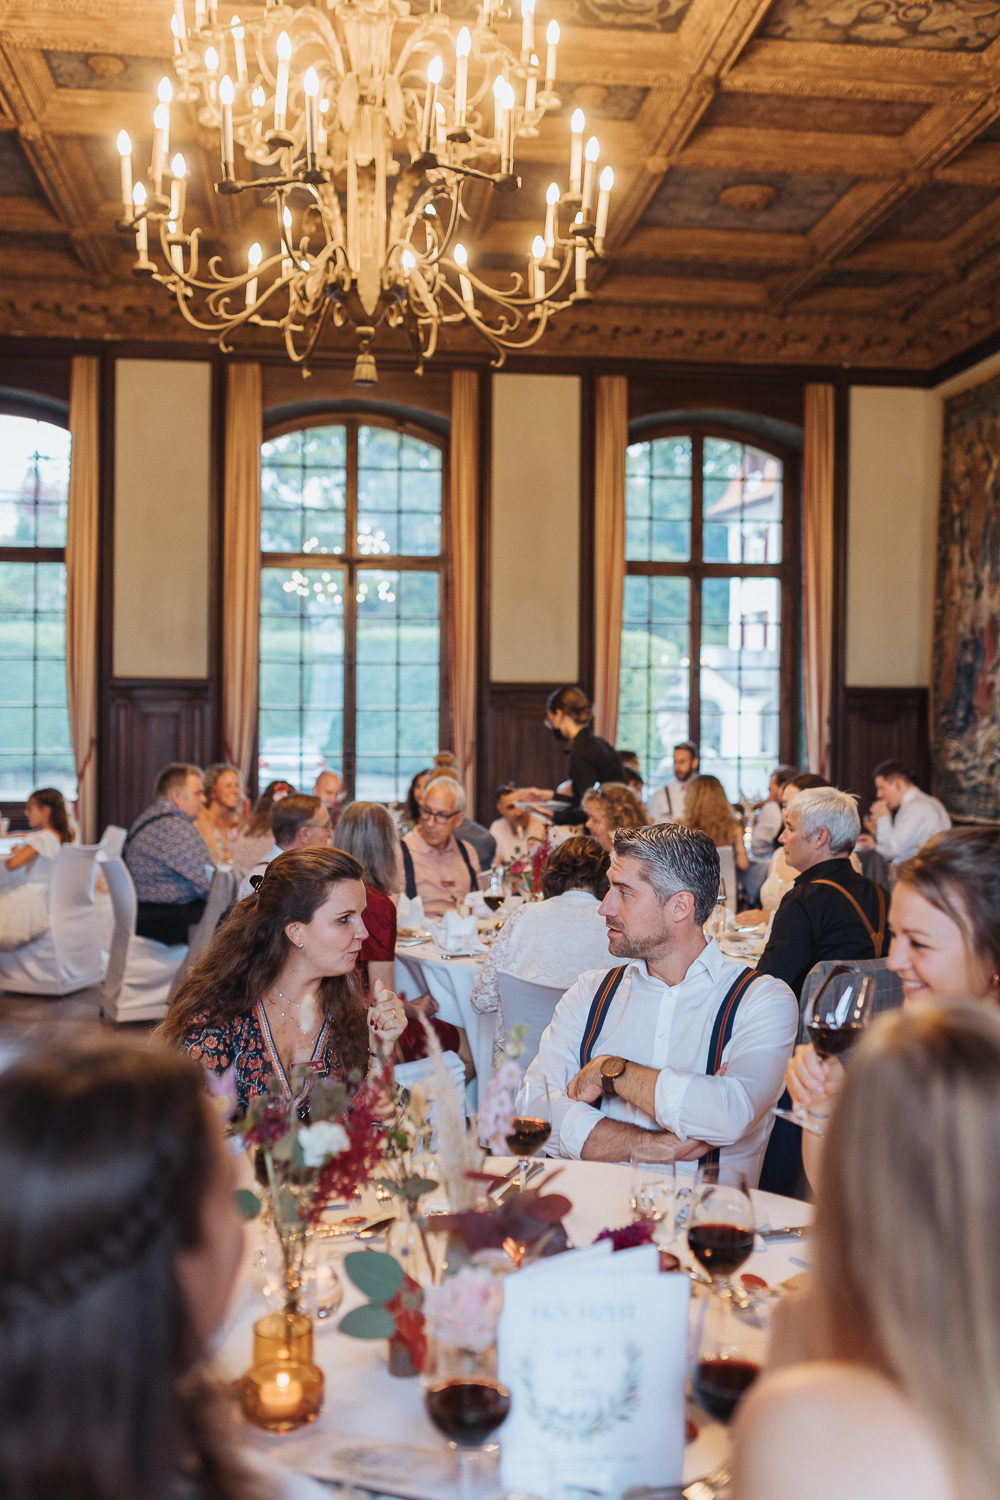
point(613, 1067)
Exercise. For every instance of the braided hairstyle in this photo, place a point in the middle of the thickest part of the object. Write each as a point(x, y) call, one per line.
point(250, 948)
point(107, 1152)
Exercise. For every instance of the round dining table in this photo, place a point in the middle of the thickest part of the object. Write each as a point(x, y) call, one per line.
point(425, 969)
point(373, 1433)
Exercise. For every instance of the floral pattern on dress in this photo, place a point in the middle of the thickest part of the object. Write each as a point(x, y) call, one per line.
point(240, 1044)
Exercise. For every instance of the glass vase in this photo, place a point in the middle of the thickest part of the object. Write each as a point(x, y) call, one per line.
point(283, 1388)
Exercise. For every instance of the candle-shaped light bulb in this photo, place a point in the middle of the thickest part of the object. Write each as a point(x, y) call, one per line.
point(141, 234)
point(551, 43)
point(124, 144)
point(161, 143)
point(507, 131)
point(227, 94)
point(576, 126)
point(409, 261)
point(310, 85)
point(581, 270)
point(527, 28)
point(254, 257)
point(165, 91)
point(460, 255)
point(175, 28)
point(538, 247)
point(435, 68)
point(537, 274)
point(498, 92)
point(551, 204)
point(211, 60)
point(440, 126)
point(591, 154)
point(239, 47)
point(463, 47)
point(178, 171)
point(257, 96)
point(321, 135)
point(603, 203)
point(139, 195)
point(286, 219)
point(531, 86)
point(461, 259)
point(180, 29)
point(281, 82)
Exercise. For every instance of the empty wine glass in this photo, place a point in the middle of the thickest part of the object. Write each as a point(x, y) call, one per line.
point(840, 1010)
point(532, 1124)
point(652, 1193)
point(720, 1224)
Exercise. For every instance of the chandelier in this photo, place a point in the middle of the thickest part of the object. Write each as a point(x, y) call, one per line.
point(364, 157)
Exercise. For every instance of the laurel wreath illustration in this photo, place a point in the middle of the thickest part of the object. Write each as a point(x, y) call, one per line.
point(586, 1421)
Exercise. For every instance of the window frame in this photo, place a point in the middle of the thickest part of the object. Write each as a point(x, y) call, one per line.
point(351, 561)
point(788, 571)
point(33, 408)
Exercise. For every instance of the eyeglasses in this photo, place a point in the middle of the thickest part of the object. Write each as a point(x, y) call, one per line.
point(437, 817)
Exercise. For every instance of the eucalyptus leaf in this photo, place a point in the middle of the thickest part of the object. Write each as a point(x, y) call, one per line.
point(282, 1150)
point(368, 1322)
point(298, 1156)
point(286, 1209)
point(374, 1273)
point(247, 1203)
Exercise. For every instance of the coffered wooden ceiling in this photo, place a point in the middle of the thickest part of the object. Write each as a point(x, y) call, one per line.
point(796, 181)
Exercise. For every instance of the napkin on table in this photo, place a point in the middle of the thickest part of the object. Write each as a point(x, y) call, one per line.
point(455, 934)
point(410, 913)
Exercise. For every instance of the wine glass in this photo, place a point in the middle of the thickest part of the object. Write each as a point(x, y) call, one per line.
point(720, 1230)
point(841, 1008)
point(492, 887)
point(464, 1400)
point(531, 1126)
point(730, 1352)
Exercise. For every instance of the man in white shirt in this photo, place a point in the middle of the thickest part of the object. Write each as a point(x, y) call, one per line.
point(655, 1071)
point(902, 818)
point(667, 803)
point(516, 830)
point(297, 822)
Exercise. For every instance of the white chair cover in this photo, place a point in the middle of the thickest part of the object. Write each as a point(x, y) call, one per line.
point(727, 869)
point(140, 971)
point(68, 957)
point(527, 1004)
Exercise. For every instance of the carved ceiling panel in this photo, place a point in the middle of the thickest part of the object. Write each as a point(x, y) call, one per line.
point(771, 203)
point(938, 25)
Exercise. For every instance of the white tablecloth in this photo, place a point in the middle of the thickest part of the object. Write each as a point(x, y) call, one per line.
point(364, 1401)
point(422, 970)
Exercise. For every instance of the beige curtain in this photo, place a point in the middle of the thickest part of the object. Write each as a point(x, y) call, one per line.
point(463, 487)
point(241, 563)
point(610, 442)
point(817, 511)
point(81, 584)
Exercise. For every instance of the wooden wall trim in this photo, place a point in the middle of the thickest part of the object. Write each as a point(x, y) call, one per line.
point(883, 723)
point(484, 789)
point(586, 664)
point(838, 651)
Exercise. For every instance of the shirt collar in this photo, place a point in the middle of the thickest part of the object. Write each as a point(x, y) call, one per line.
point(824, 869)
point(430, 849)
point(711, 959)
point(909, 795)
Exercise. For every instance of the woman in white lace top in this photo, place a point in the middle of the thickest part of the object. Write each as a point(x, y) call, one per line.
point(555, 940)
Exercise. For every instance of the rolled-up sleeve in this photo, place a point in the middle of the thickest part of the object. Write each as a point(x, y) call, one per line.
point(558, 1062)
point(721, 1108)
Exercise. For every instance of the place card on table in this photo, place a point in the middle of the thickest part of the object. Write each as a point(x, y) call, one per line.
point(593, 1348)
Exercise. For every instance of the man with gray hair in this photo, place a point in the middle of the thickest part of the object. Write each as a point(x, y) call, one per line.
point(831, 911)
point(438, 867)
point(679, 1053)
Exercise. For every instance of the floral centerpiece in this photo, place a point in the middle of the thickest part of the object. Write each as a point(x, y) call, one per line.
point(526, 870)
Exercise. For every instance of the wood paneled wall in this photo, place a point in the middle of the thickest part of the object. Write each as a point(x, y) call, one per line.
point(518, 747)
point(883, 723)
point(150, 724)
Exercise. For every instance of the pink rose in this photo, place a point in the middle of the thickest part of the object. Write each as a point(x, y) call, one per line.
point(464, 1309)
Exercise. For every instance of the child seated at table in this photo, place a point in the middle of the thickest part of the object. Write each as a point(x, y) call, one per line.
point(24, 908)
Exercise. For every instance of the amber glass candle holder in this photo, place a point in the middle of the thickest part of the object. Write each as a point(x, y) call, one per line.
point(282, 1389)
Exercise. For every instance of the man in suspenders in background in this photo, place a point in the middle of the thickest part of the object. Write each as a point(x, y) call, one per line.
point(679, 1052)
point(437, 866)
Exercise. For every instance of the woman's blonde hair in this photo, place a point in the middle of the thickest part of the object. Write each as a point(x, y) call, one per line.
point(707, 809)
point(623, 806)
point(908, 1224)
point(366, 830)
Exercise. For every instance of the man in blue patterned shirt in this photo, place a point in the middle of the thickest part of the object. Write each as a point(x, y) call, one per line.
point(169, 861)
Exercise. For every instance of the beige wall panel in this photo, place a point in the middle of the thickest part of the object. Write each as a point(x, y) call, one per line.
point(163, 420)
point(894, 477)
point(535, 548)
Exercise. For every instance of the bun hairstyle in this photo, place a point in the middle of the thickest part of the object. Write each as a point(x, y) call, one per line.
point(249, 949)
point(573, 702)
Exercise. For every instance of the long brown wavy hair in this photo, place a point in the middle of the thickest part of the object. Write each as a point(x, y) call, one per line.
point(707, 809)
point(250, 949)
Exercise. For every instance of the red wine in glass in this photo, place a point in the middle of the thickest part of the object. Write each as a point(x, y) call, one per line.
point(528, 1134)
point(720, 1248)
point(719, 1383)
point(494, 902)
point(831, 1041)
point(467, 1409)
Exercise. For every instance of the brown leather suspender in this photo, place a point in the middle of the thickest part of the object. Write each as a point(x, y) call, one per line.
point(878, 938)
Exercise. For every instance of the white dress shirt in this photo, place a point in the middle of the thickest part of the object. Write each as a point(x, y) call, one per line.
point(511, 844)
point(917, 817)
point(667, 803)
point(246, 889)
point(669, 1028)
point(766, 827)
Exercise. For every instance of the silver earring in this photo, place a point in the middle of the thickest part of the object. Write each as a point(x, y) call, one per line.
point(301, 945)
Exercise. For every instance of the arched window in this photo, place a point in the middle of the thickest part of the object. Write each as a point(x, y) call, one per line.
point(352, 587)
point(35, 746)
point(709, 611)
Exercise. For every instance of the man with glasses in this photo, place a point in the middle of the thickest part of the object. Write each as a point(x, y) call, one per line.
point(297, 822)
point(439, 868)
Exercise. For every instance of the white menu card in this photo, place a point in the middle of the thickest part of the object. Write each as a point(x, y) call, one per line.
point(593, 1348)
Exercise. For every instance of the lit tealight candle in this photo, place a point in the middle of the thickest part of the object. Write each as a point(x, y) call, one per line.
point(590, 178)
point(435, 68)
point(603, 203)
point(227, 94)
point(576, 126)
point(551, 204)
point(537, 274)
point(551, 43)
point(124, 144)
point(254, 257)
point(239, 46)
point(280, 1397)
point(281, 84)
point(461, 258)
point(463, 47)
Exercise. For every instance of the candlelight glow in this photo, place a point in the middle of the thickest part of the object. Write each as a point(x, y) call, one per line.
point(124, 143)
point(552, 193)
point(284, 46)
point(593, 150)
point(435, 69)
point(226, 91)
point(258, 97)
point(254, 256)
point(310, 83)
point(463, 45)
point(211, 60)
point(165, 91)
point(538, 248)
point(161, 116)
point(460, 255)
point(139, 195)
point(607, 180)
point(578, 121)
point(552, 34)
point(178, 166)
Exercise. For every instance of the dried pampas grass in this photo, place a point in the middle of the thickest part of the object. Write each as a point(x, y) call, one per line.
point(456, 1149)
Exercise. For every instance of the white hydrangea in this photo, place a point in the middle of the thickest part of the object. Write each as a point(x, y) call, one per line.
point(321, 1141)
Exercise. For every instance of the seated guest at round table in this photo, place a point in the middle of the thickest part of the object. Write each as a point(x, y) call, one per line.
point(780, 876)
point(552, 941)
point(646, 1046)
point(118, 1256)
point(275, 990)
point(516, 828)
point(591, 759)
point(329, 788)
point(438, 867)
point(902, 818)
point(611, 806)
point(220, 818)
point(468, 831)
point(901, 1329)
point(945, 920)
point(297, 822)
point(411, 805)
point(767, 822)
point(255, 838)
point(708, 810)
point(24, 908)
point(168, 859)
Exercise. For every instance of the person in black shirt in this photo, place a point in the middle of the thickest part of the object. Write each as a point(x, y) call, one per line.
point(591, 759)
point(831, 911)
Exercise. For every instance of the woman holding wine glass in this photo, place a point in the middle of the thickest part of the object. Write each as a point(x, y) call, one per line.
point(901, 1394)
point(945, 921)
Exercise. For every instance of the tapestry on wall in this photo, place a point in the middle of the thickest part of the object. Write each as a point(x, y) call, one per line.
point(966, 677)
